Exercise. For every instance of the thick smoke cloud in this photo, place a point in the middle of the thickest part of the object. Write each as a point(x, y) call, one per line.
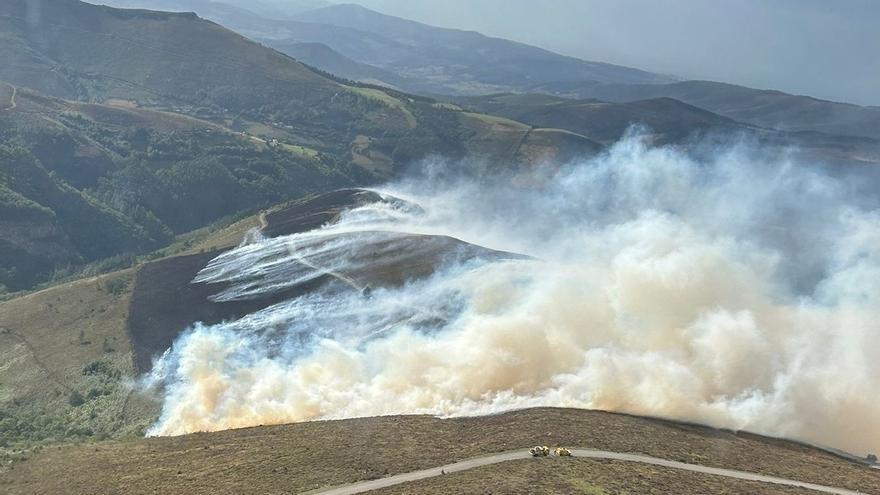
point(740, 292)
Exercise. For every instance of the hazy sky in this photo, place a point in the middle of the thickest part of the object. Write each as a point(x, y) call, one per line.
point(824, 48)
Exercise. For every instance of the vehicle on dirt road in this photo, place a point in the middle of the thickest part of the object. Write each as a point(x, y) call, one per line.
point(539, 451)
point(562, 452)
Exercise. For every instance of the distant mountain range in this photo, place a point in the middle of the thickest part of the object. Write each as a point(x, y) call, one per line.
point(666, 120)
point(771, 109)
point(423, 58)
point(364, 45)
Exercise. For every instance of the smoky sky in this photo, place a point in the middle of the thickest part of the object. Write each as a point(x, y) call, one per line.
point(824, 48)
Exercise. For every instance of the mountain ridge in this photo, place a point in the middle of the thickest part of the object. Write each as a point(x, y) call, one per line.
point(766, 108)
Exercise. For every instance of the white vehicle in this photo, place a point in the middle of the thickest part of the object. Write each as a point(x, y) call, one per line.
point(539, 451)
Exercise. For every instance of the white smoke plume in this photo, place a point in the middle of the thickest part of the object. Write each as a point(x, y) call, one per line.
point(740, 291)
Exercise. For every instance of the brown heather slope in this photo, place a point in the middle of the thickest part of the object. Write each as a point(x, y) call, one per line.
point(299, 457)
point(165, 302)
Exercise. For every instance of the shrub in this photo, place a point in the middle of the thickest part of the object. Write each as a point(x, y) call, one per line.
point(76, 399)
point(116, 285)
point(98, 368)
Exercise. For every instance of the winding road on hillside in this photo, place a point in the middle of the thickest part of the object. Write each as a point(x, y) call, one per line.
point(365, 486)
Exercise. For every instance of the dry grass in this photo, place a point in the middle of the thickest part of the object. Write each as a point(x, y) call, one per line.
point(300, 457)
point(48, 336)
point(47, 339)
point(213, 238)
point(493, 136)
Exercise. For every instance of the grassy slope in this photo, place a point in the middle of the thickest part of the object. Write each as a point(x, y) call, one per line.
point(670, 119)
point(299, 457)
point(132, 175)
point(49, 337)
point(47, 341)
point(325, 58)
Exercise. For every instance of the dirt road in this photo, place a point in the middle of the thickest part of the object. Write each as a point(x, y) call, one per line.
point(366, 486)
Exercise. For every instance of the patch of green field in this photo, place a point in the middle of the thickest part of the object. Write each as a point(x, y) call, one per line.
point(303, 151)
point(446, 106)
point(388, 100)
point(495, 120)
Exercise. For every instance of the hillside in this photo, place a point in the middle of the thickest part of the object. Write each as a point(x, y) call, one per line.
point(668, 120)
point(366, 45)
point(423, 58)
point(273, 9)
point(178, 61)
point(771, 109)
point(325, 58)
point(179, 105)
point(71, 349)
point(306, 456)
point(69, 358)
point(82, 182)
point(181, 62)
point(466, 58)
point(394, 51)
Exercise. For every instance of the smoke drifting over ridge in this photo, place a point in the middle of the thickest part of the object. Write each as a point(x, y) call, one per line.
point(740, 292)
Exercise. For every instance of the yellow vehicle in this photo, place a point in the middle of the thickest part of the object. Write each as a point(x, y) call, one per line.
point(562, 452)
point(539, 451)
